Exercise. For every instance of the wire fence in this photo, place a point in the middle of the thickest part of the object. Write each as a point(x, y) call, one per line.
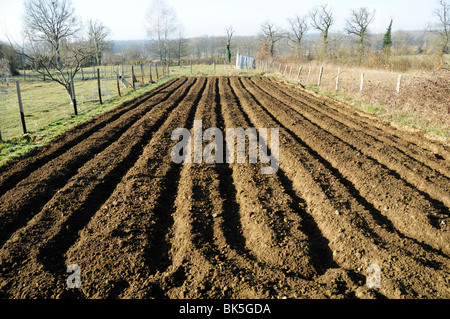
point(419, 99)
point(336, 78)
point(32, 101)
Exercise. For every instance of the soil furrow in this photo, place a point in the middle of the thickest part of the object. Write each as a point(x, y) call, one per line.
point(347, 224)
point(265, 209)
point(414, 142)
point(71, 209)
point(19, 204)
point(210, 207)
point(198, 244)
point(414, 172)
point(17, 170)
point(207, 237)
point(382, 138)
point(136, 220)
point(390, 191)
point(350, 194)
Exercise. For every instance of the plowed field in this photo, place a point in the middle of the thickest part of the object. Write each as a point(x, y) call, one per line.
point(351, 191)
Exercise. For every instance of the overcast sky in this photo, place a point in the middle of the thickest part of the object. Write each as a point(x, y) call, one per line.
point(126, 18)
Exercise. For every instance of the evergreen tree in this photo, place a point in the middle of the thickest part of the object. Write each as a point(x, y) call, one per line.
point(387, 41)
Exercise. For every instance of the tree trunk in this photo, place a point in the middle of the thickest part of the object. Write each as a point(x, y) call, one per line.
point(228, 54)
point(361, 49)
point(58, 56)
point(71, 92)
point(324, 52)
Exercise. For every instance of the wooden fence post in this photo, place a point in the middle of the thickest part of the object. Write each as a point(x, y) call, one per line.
point(142, 73)
point(279, 69)
point(157, 75)
point(337, 79)
point(151, 77)
point(132, 77)
point(22, 116)
point(320, 76)
point(99, 87)
point(299, 73)
point(118, 85)
point(290, 72)
point(285, 70)
point(74, 99)
point(362, 82)
point(399, 82)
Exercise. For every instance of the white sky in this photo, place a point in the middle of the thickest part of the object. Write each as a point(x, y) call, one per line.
point(210, 17)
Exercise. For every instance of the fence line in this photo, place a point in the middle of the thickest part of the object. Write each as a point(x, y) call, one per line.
point(93, 84)
point(336, 81)
point(110, 74)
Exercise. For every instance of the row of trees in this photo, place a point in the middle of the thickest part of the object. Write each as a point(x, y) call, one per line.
point(167, 33)
point(203, 48)
point(321, 19)
point(57, 44)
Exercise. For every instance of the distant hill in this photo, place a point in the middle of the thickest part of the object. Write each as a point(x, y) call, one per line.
point(119, 45)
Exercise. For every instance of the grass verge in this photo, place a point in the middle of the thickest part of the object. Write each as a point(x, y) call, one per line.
point(410, 119)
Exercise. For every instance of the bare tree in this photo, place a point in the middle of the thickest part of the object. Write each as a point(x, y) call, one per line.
point(52, 43)
point(181, 45)
point(271, 35)
point(358, 24)
point(322, 19)
point(98, 38)
point(442, 27)
point(230, 33)
point(299, 27)
point(50, 21)
point(162, 24)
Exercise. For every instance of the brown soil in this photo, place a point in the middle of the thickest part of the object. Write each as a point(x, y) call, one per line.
point(351, 191)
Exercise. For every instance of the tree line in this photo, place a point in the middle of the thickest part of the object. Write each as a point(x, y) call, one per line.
point(57, 44)
point(321, 19)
